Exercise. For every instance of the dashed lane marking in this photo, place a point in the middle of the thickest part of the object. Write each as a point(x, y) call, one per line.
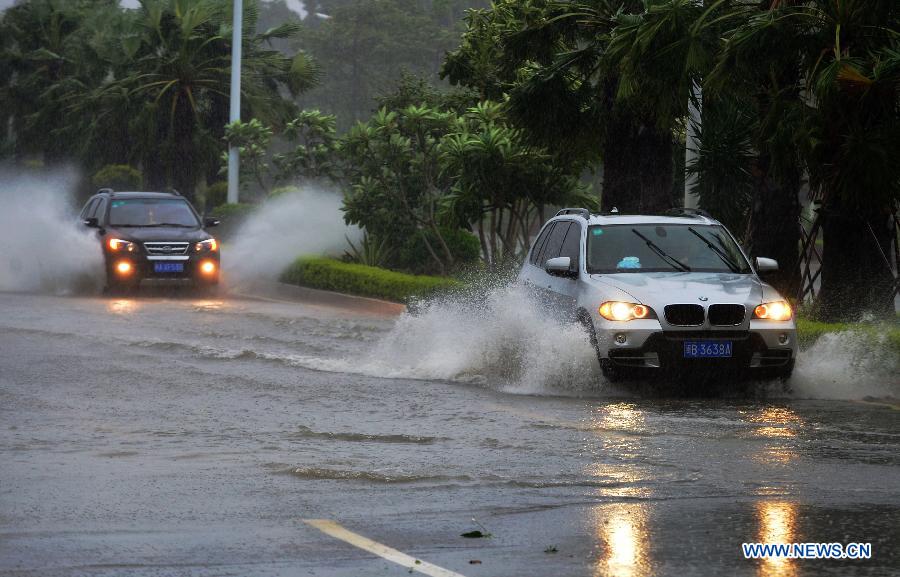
point(335, 530)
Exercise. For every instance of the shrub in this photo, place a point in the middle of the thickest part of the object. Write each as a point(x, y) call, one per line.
point(232, 210)
point(216, 195)
point(333, 275)
point(118, 177)
point(413, 255)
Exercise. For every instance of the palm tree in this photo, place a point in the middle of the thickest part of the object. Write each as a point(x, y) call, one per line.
point(847, 58)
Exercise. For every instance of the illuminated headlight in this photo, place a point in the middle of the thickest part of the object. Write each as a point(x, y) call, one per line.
point(773, 311)
point(621, 311)
point(119, 245)
point(208, 245)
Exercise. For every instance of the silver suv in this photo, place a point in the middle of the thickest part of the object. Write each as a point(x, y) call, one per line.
point(667, 295)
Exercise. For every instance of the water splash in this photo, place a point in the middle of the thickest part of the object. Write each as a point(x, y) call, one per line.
point(308, 221)
point(501, 337)
point(44, 246)
point(847, 365)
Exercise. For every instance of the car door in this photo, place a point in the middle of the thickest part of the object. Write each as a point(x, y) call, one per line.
point(532, 274)
point(566, 287)
point(552, 287)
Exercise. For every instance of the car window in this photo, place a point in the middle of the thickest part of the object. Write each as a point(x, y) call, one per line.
point(539, 244)
point(99, 209)
point(571, 246)
point(152, 212)
point(88, 209)
point(625, 248)
point(554, 243)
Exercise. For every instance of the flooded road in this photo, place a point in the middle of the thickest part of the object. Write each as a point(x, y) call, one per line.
point(191, 436)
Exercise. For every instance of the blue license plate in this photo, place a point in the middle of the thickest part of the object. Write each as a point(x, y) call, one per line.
point(707, 349)
point(168, 267)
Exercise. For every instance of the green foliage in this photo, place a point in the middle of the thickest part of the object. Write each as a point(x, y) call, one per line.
point(93, 82)
point(118, 177)
point(216, 195)
point(357, 279)
point(884, 336)
point(370, 252)
point(252, 140)
point(314, 156)
point(233, 210)
point(413, 255)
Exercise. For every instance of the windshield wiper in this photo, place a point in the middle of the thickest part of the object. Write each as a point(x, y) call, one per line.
point(674, 262)
point(176, 224)
point(733, 266)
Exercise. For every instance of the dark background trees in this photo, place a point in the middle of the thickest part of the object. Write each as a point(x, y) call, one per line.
point(800, 105)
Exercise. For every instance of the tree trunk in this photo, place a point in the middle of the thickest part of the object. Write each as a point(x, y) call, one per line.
point(856, 280)
point(774, 229)
point(637, 166)
point(485, 252)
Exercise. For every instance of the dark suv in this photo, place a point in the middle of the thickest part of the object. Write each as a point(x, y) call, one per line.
point(152, 235)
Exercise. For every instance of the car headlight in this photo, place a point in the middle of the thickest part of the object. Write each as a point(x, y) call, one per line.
point(773, 311)
point(119, 245)
point(621, 311)
point(208, 245)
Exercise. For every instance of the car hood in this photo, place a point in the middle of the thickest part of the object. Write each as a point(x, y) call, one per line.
point(161, 233)
point(658, 289)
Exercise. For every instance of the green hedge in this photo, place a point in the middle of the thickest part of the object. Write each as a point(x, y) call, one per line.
point(809, 331)
point(357, 279)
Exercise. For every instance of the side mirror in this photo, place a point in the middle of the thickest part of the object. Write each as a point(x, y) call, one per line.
point(766, 264)
point(560, 266)
point(209, 221)
point(92, 222)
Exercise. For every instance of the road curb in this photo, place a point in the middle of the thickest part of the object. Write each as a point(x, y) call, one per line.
point(272, 290)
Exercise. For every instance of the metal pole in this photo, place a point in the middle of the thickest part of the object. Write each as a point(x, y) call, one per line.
point(234, 160)
point(695, 106)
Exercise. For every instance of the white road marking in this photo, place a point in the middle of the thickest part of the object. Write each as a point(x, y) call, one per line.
point(335, 530)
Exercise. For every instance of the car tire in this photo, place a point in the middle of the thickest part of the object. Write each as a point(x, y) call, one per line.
point(610, 372)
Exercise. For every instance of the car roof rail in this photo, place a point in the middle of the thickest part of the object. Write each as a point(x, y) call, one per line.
point(582, 212)
point(106, 191)
point(174, 191)
point(684, 211)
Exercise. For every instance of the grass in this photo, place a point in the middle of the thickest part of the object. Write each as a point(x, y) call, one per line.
point(809, 331)
point(357, 279)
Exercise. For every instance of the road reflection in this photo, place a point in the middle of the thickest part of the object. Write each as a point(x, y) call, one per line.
point(122, 306)
point(777, 524)
point(776, 422)
point(624, 535)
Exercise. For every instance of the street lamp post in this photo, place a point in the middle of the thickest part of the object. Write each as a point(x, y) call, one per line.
point(234, 158)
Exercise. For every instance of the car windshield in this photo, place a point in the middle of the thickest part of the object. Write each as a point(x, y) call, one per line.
point(632, 248)
point(152, 212)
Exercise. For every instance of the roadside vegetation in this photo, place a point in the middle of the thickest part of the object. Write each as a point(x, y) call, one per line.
point(453, 129)
point(362, 280)
point(884, 336)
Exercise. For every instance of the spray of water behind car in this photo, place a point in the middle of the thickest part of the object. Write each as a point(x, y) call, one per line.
point(43, 247)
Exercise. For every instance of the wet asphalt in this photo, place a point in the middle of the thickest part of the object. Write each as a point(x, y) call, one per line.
point(175, 434)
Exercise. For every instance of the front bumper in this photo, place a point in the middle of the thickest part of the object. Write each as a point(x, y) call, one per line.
point(203, 267)
point(764, 346)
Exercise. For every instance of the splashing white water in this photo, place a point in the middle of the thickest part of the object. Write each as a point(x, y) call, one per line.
point(309, 221)
point(503, 338)
point(43, 246)
point(847, 365)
